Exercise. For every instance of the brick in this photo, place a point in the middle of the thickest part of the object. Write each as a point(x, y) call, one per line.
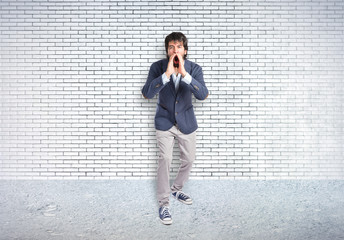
point(72, 107)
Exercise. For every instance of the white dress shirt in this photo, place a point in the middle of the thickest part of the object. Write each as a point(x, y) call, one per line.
point(176, 79)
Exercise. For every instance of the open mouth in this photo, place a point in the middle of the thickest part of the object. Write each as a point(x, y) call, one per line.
point(176, 61)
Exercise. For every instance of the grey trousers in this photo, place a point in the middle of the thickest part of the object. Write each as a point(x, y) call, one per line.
point(187, 147)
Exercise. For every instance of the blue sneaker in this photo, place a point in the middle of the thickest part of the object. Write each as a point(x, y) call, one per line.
point(182, 197)
point(165, 215)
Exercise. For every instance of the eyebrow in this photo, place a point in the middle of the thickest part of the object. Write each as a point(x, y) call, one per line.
point(178, 44)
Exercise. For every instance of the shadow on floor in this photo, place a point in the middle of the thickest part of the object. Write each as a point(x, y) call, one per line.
point(121, 209)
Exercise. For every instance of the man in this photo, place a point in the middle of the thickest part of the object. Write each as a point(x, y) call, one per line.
point(175, 79)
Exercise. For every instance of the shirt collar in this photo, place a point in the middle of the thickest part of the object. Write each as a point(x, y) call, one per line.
point(176, 77)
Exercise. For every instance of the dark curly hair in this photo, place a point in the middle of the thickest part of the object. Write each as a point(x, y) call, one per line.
point(176, 36)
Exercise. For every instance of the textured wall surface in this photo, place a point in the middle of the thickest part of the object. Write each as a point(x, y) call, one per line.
point(72, 73)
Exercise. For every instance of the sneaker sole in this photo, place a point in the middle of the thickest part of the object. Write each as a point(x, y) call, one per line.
point(168, 222)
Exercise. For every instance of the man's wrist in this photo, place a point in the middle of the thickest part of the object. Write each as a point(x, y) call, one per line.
point(184, 74)
point(168, 75)
point(187, 78)
point(165, 78)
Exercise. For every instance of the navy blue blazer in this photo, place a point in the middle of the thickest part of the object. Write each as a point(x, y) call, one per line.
point(175, 107)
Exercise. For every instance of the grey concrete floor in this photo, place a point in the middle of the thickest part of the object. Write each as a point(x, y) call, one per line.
point(119, 209)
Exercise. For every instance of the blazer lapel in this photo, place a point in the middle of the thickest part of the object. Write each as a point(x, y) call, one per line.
point(173, 88)
point(187, 66)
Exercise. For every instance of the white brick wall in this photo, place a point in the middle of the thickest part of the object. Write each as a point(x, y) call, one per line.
point(72, 71)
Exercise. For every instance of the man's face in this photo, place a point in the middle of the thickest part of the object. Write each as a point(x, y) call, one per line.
point(176, 47)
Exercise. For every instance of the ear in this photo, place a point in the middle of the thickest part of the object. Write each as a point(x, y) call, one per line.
point(185, 52)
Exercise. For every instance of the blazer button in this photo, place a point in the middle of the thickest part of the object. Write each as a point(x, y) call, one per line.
point(176, 102)
point(176, 113)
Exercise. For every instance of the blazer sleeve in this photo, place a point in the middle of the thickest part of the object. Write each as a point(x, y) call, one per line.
point(197, 85)
point(154, 82)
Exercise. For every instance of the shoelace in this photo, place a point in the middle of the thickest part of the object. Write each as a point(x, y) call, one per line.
point(165, 213)
point(182, 195)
